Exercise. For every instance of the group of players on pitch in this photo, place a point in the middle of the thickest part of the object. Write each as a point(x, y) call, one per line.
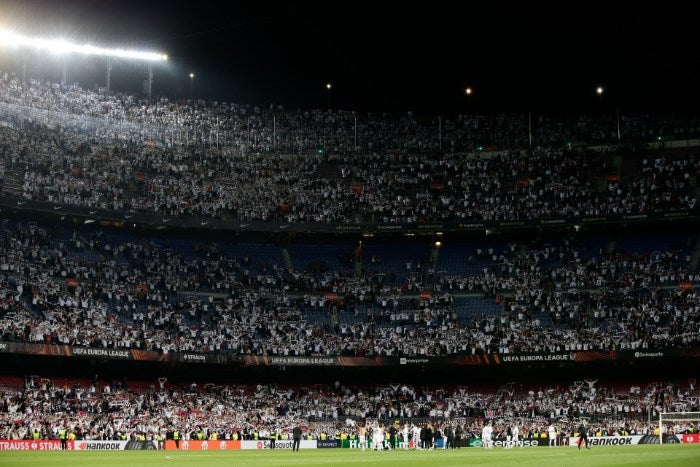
point(512, 436)
point(378, 437)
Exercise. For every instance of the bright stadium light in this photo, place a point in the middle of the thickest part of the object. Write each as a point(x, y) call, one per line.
point(60, 46)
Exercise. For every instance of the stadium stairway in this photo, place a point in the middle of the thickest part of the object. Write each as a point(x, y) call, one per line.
point(429, 273)
point(12, 182)
point(287, 259)
point(695, 258)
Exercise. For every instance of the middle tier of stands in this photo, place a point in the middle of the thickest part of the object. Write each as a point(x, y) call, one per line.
point(101, 289)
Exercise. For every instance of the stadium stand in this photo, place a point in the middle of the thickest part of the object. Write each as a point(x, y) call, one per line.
point(110, 291)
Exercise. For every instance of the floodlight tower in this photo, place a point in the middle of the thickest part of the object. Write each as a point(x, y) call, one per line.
point(468, 92)
point(64, 66)
point(109, 75)
point(63, 56)
point(149, 80)
point(149, 76)
point(24, 67)
point(329, 86)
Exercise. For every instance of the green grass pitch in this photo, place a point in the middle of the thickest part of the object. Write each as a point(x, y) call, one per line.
point(651, 455)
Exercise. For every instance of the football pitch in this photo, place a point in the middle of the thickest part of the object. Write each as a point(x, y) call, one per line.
point(651, 455)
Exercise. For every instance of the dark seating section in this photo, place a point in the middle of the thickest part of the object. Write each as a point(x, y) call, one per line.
point(94, 288)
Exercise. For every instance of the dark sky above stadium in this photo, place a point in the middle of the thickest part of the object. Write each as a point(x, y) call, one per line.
point(393, 56)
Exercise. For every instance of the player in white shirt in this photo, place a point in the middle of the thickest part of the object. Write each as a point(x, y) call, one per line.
point(486, 434)
point(416, 437)
point(405, 436)
point(378, 438)
point(516, 433)
point(552, 433)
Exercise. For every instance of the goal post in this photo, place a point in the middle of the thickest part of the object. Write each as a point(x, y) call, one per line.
point(665, 417)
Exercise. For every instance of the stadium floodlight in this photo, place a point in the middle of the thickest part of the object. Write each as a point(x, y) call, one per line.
point(60, 46)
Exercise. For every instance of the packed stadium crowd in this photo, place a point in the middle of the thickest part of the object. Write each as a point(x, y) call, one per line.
point(68, 145)
point(86, 288)
point(113, 410)
point(276, 130)
point(587, 298)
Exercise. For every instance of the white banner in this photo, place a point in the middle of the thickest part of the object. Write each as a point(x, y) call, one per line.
point(134, 445)
point(608, 440)
point(279, 444)
point(626, 440)
point(100, 445)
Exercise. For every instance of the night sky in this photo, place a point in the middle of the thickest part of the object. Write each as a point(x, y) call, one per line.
point(388, 56)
